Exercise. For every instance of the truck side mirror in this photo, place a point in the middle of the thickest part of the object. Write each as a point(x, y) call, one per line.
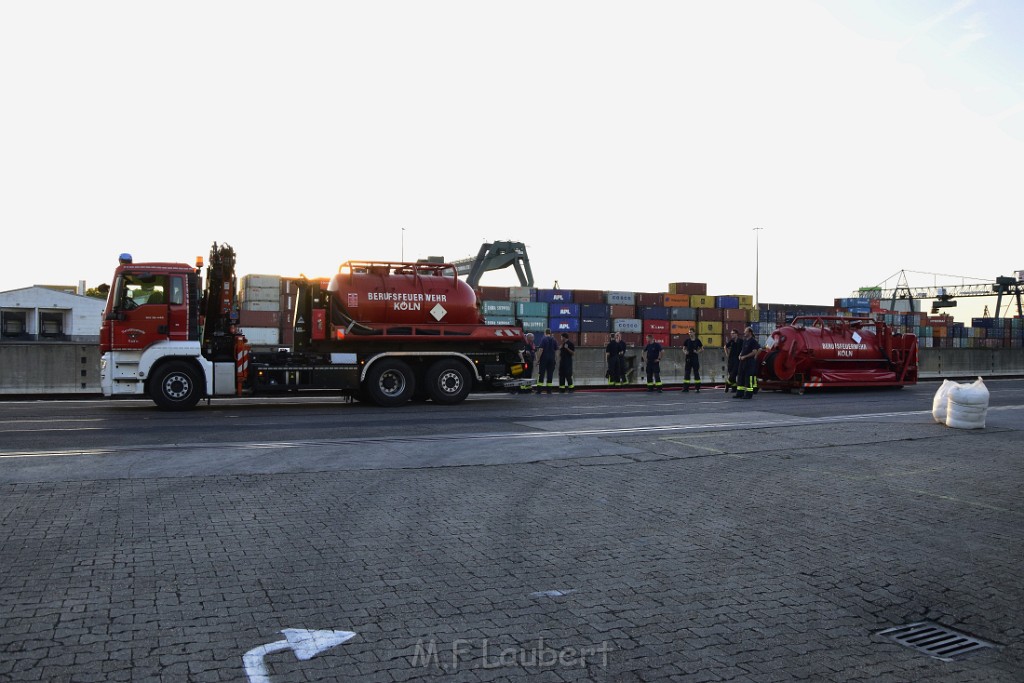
point(115, 315)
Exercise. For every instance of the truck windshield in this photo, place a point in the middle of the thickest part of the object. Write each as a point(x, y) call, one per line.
point(140, 289)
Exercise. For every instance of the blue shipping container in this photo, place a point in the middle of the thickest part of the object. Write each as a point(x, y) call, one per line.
point(555, 296)
point(727, 302)
point(565, 325)
point(653, 313)
point(595, 311)
point(682, 313)
point(595, 325)
point(563, 310)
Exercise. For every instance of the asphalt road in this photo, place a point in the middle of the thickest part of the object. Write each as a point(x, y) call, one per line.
point(609, 536)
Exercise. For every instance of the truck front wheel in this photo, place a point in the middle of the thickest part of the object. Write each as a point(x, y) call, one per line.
point(175, 386)
point(390, 383)
point(448, 381)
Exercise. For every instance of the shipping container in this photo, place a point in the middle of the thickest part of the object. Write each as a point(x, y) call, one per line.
point(555, 296)
point(633, 339)
point(522, 294)
point(710, 314)
point(711, 341)
point(262, 336)
point(627, 325)
point(498, 308)
point(260, 294)
point(594, 339)
point(699, 288)
point(656, 327)
point(653, 312)
point(677, 300)
point(563, 310)
point(702, 301)
point(534, 325)
point(711, 327)
point(259, 318)
point(682, 326)
point(595, 311)
point(662, 339)
point(620, 298)
point(682, 313)
point(650, 299)
point(274, 305)
point(531, 309)
point(595, 324)
point(736, 315)
point(727, 302)
point(261, 281)
point(493, 293)
point(588, 296)
point(498, 320)
point(622, 311)
point(564, 324)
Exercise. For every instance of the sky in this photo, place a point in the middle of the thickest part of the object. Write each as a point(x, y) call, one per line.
point(628, 145)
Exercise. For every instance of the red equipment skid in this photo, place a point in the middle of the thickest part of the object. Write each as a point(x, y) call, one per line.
point(831, 351)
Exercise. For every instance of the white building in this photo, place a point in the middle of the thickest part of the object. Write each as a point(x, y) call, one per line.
point(43, 313)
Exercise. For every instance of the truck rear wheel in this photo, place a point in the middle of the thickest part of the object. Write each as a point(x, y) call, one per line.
point(175, 386)
point(448, 381)
point(390, 382)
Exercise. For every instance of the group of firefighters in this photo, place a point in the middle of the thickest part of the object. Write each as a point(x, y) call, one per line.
point(742, 363)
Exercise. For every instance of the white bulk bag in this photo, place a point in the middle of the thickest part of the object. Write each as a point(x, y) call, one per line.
point(940, 401)
point(967, 405)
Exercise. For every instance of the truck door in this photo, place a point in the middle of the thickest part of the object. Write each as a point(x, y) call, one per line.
point(142, 302)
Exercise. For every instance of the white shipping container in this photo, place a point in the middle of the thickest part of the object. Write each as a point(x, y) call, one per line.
point(260, 294)
point(261, 281)
point(627, 325)
point(262, 336)
point(520, 294)
point(261, 305)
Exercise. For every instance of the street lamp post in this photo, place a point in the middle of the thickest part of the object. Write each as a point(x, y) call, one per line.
point(757, 266)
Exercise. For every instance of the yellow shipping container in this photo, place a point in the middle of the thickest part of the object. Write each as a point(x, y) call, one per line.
point(702, 302)
point(711, 341)
point(709, 327)
point(681, 326)
point(677, 300)
point(746, 300)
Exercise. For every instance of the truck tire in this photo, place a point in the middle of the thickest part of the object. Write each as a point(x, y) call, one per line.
point(448, 381)
point(390, 382)
point(175, 386)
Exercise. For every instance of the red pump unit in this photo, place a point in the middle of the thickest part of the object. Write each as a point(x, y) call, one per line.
point(823, 351)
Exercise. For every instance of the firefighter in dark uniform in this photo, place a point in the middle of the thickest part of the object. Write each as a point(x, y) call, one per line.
point(546, 362)
point(692, 348)
point(565, 354)
point(747, 383)
point(653, 353)
point(613, 355)
point(732, 349)
point(529, 357)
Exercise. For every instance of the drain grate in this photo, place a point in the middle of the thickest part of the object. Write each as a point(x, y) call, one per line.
point(936, 640)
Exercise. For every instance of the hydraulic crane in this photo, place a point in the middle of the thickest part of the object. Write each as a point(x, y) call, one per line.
point(945, 296)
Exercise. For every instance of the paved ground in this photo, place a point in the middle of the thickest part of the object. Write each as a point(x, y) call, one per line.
point(726, 545)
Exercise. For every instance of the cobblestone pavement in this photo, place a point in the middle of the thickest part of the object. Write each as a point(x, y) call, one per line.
point(758, 554)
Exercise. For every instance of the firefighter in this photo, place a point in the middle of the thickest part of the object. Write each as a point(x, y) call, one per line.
point(529, 358)
point(733, 348)
point(653, 353)
point(546, 351)
point(565, 353)
point(747, 383)
point(692, 348)
point(615, 358)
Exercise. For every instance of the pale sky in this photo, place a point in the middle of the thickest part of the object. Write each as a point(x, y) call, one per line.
point(629, 144)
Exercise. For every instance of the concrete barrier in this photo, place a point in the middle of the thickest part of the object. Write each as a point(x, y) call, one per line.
point(39, 368)
point(33, 368)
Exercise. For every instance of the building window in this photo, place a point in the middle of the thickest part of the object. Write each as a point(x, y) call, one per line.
point(13, 324)
point(51, 324)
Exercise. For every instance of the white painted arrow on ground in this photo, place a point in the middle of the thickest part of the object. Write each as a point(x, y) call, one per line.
point(305, 643)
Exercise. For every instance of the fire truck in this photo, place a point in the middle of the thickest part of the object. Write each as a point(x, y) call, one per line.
point(379, 331)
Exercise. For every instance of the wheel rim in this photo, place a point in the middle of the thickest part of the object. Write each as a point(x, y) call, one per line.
point(392, 383)
point(177, 386)
point(450, 382)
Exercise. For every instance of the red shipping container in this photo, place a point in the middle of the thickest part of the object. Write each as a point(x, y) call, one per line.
point(622, 311)
point(735, 315)
point(656, 327)
point(675, 341)
point(698, 288)
point(710, 315)
point(493, 293)
point(598, 339)
point(650, 299)
point(259, 318)
point(587, 296)
point(662, 339)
